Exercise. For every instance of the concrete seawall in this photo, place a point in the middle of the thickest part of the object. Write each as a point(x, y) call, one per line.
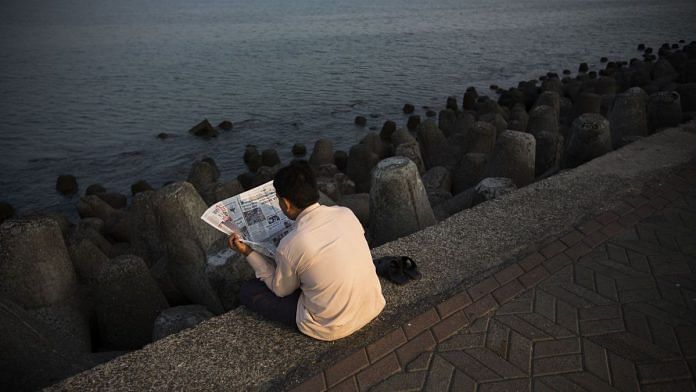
point(238, 351)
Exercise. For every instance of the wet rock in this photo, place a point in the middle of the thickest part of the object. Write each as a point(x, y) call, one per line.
point(6, 211)
point(587, 103)
point(542, 119)
point(225, 125)
point(664, 110)
point(341, 160)
point(221, 191)
point(270, 158)
point(398, 202)
point(481, 138)
point(140, 186)
point(361, 160)
point(322, 153)
point(388, 129)
point(513, 157)
point(590, 137)
point(408, 108)
point(628, 116)
point(177, 319)
point(413, 122)
point(94, 189)
point(360, 121)
point(549, 151)
point(492, 188)
point(128, 302)
point(115, 200)
point(412, 151)
point(299, 150)
point(66, 184)
point(204, 129)
point(359, 203)
point(447, 121)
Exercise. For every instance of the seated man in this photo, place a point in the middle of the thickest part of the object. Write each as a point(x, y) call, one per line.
point(323, 280)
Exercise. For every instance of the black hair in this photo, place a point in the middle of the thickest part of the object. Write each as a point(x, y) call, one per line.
point(296, 183)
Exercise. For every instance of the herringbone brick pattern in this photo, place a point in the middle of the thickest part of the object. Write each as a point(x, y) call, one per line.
point(610, 306)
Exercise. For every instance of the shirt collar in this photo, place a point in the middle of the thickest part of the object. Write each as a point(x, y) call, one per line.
point(307, 211)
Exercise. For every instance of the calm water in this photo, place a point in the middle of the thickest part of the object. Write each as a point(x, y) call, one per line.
point(86, 85)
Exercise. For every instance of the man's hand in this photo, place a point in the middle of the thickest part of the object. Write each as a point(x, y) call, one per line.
point(235, 243)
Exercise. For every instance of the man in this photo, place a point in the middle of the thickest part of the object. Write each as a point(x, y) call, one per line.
point(323, 279)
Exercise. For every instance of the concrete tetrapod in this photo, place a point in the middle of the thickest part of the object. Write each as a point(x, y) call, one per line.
point(178, 318)
point(664, 110)
point(542, 118)
point(590, 137)
point(398, 202)
point(513, 157)
point(628, 117)
point(322, 153)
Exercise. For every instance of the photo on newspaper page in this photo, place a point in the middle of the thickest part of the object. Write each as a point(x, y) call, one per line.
point(255, 215)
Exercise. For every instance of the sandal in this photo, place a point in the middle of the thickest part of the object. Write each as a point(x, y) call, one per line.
point(391, 268)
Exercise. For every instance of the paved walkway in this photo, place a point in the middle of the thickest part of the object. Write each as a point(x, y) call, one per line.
point(610, 305)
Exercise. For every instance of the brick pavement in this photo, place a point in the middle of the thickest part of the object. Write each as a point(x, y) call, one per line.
point(610, 305)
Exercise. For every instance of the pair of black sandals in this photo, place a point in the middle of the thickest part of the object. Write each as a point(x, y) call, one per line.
point(397, 269)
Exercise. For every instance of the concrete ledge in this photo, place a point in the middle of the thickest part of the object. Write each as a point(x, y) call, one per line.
point(237, 351)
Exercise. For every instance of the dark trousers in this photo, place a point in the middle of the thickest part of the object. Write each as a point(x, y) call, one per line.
point(255, 295)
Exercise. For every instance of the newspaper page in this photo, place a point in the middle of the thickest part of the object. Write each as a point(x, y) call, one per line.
point(255, 215)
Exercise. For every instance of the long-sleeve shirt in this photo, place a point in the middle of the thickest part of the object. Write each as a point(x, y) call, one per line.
point(325, 255)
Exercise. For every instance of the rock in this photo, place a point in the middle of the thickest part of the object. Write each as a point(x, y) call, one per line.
point(587, 103)
point(496, 120)
point(66, 184)
point(411, 150)
point(492, 188)
point(374, 142)
point(186, 238)
point(226, 277)
point(360, 121)
point(408, 108)
point(549, 151)
point(163, 135)
point(388, 129)
point(115, 200)
point(687, 96)
point(628, 116)
point(469, 172)
point(481, 138)
point(250, 152)
point(87, 259)
point(270, 158)
point(140, 186)
point(204, 129)
point(128, 302)
point(359, 203)
point(221, 191)
point(469, 99)
point(664, 110)
point(361, 160)
point(177, 319)
point(590, 137)
point(202, 175)
point(6, 211)
point(322, 153)
point(447, 121)
point(299, 150)
point(341, 160)
point(93, 206)
point(513, 157)
point(413, 122)
point(457, 203)
point(542, 119)
point(398, 202)
point(437, 177)
point(94, 189)
point(246, 179)
point(225, 125)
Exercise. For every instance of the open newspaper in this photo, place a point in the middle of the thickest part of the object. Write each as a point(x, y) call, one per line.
point(255, 215)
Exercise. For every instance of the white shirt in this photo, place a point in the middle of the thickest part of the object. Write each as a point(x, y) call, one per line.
point(325, 255)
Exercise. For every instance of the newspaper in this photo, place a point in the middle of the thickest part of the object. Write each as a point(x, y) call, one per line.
point(255, 215)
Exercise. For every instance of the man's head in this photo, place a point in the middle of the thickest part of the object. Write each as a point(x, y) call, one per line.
point(296, 188)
